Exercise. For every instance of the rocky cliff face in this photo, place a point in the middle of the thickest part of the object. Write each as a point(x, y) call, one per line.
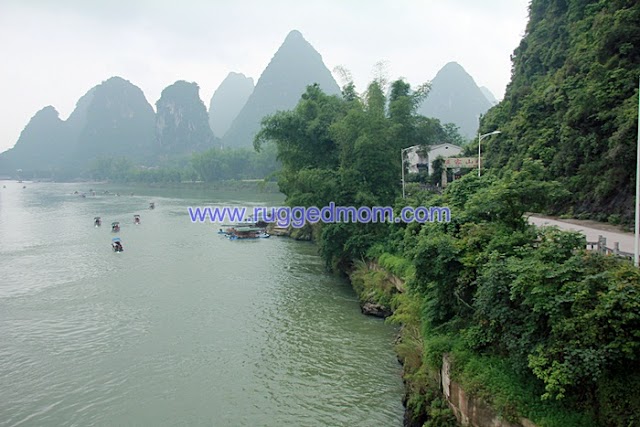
point(113, 119)
point(295, 65)
point(227, 101)
point(182, 124)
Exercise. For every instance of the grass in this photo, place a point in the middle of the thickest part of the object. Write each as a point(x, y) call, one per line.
point(398, 266)
point(372, 286)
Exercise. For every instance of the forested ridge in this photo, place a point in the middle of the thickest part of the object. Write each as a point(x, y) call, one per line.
point(533, 323)
point(572, 103)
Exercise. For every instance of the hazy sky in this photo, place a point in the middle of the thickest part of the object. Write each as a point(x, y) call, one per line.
point(53, 52)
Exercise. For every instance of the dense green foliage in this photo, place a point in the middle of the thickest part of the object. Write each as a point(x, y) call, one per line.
point(535, 324)
point(210, 166)
point(573, 102)
point(347, 150)
point(564, 320)
point(216, 165)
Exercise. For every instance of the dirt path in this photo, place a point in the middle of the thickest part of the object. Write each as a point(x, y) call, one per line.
point(591, 229)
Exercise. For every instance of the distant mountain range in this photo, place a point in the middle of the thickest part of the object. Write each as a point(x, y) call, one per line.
point(114, 119)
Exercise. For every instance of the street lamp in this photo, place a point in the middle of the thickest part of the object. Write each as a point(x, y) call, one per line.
point(636, 246)
point(402, 163)
point(480, 138)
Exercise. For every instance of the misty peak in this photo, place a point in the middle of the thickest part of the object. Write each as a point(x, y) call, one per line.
point(294, 36)
point(228, 100)
point(295, 65)
point(453, 66)
point(455, 98)
point(233, 76)
point(454, 77)
point(181, 120)
point(182, 87)
point(49, 111)
point(116, 80)
point(183, 84)
point(454, 70)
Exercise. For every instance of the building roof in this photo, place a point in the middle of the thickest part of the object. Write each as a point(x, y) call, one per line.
point(433, 147)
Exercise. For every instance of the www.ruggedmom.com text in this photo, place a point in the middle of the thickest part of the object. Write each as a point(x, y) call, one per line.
point(298, 216)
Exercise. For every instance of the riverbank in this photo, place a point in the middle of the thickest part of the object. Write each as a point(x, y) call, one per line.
point(380, 288)
point(443, 374)
point(446, 384)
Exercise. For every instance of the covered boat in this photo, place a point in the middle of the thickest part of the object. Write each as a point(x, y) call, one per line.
point(116, 244)
point(247, 233)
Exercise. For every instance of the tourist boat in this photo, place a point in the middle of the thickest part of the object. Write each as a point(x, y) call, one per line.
point(247, 233)
point(229, 229)
point(115, 227)
point(136, 219)
point(97, 221)
point(116, 244)
point(250, 223)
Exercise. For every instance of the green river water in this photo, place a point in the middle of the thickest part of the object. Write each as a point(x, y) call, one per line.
point(184, 327)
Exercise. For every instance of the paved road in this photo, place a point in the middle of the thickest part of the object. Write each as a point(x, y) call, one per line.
point(625, 239)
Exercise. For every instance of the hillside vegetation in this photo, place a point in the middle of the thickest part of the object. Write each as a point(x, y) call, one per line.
point(573, 103)
point(534, 323)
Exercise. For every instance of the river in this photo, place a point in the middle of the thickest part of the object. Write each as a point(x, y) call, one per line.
point(184, 327)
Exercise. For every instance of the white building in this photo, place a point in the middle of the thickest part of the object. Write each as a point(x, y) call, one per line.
point(419, 157)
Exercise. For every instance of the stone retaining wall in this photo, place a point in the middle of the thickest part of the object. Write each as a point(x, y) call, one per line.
point(469, 410)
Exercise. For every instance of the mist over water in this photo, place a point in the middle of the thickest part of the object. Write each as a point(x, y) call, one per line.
point(182, 328)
